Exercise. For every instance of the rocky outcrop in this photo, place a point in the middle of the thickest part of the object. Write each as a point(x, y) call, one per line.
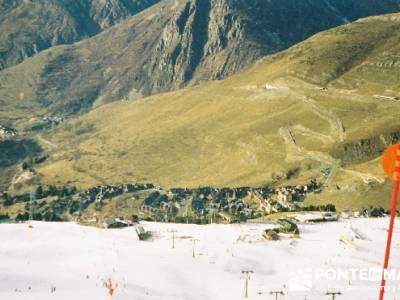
point(28, 27)
point(365, 149)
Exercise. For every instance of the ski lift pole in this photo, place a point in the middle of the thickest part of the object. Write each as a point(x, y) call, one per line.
point(246, 284)
point(391, 166)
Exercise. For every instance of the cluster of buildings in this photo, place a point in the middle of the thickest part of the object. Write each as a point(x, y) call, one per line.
point(103, 192)
point(203, 203)
point(243, 202)
point(7, 132)
point(53, 120)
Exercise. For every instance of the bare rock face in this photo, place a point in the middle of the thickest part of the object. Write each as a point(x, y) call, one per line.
point(203, 40)
point(173, 44)
point(30, 26)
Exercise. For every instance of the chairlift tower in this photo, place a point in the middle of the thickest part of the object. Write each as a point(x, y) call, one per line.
point(246, 285)
point(333, 294)
point(277, 293)
point(194, 247)
point(173, 231)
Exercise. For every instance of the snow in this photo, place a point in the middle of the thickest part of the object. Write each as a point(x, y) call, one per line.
point(77, 260)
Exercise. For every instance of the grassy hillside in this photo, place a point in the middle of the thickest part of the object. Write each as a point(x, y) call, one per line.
point(323, 109)
point(171, 45)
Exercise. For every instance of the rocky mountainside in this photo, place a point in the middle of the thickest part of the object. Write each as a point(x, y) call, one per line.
point(173, 44)
point(30, 26)
point(324, 109)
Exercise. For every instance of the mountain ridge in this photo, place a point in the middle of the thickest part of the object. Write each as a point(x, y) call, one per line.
point(171, 45)
point(46, 23)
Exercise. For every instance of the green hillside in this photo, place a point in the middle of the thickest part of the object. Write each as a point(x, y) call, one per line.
point(170, 45)
point(325, 109)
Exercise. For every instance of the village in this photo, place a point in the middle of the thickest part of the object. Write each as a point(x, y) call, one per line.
point(188, 205)
point(228, 204)
point(203, 205)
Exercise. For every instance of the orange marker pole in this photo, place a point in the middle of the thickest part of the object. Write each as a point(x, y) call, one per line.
point(389, 239)
point(391, 165)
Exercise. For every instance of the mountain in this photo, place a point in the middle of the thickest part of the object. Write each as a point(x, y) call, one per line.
point(28, 27)
point(171, 45)
point(324, 109)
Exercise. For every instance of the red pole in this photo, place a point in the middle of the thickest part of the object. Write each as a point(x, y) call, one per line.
point(393, 209)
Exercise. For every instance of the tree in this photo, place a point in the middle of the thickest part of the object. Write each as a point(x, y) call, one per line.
point(52, 190)
point(22, 217)
point(25, 166)
point(4, 217)
point(39, 192)
point(37, 216)
point(330, 208)
point(8, 200)
point(50, 216)
point(135, 218)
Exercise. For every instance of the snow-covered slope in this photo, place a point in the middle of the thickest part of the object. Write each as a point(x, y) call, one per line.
point(68, 261)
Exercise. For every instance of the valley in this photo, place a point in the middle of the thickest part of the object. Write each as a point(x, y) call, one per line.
point(237, 132)
point(198, 149)
point(321, 111)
